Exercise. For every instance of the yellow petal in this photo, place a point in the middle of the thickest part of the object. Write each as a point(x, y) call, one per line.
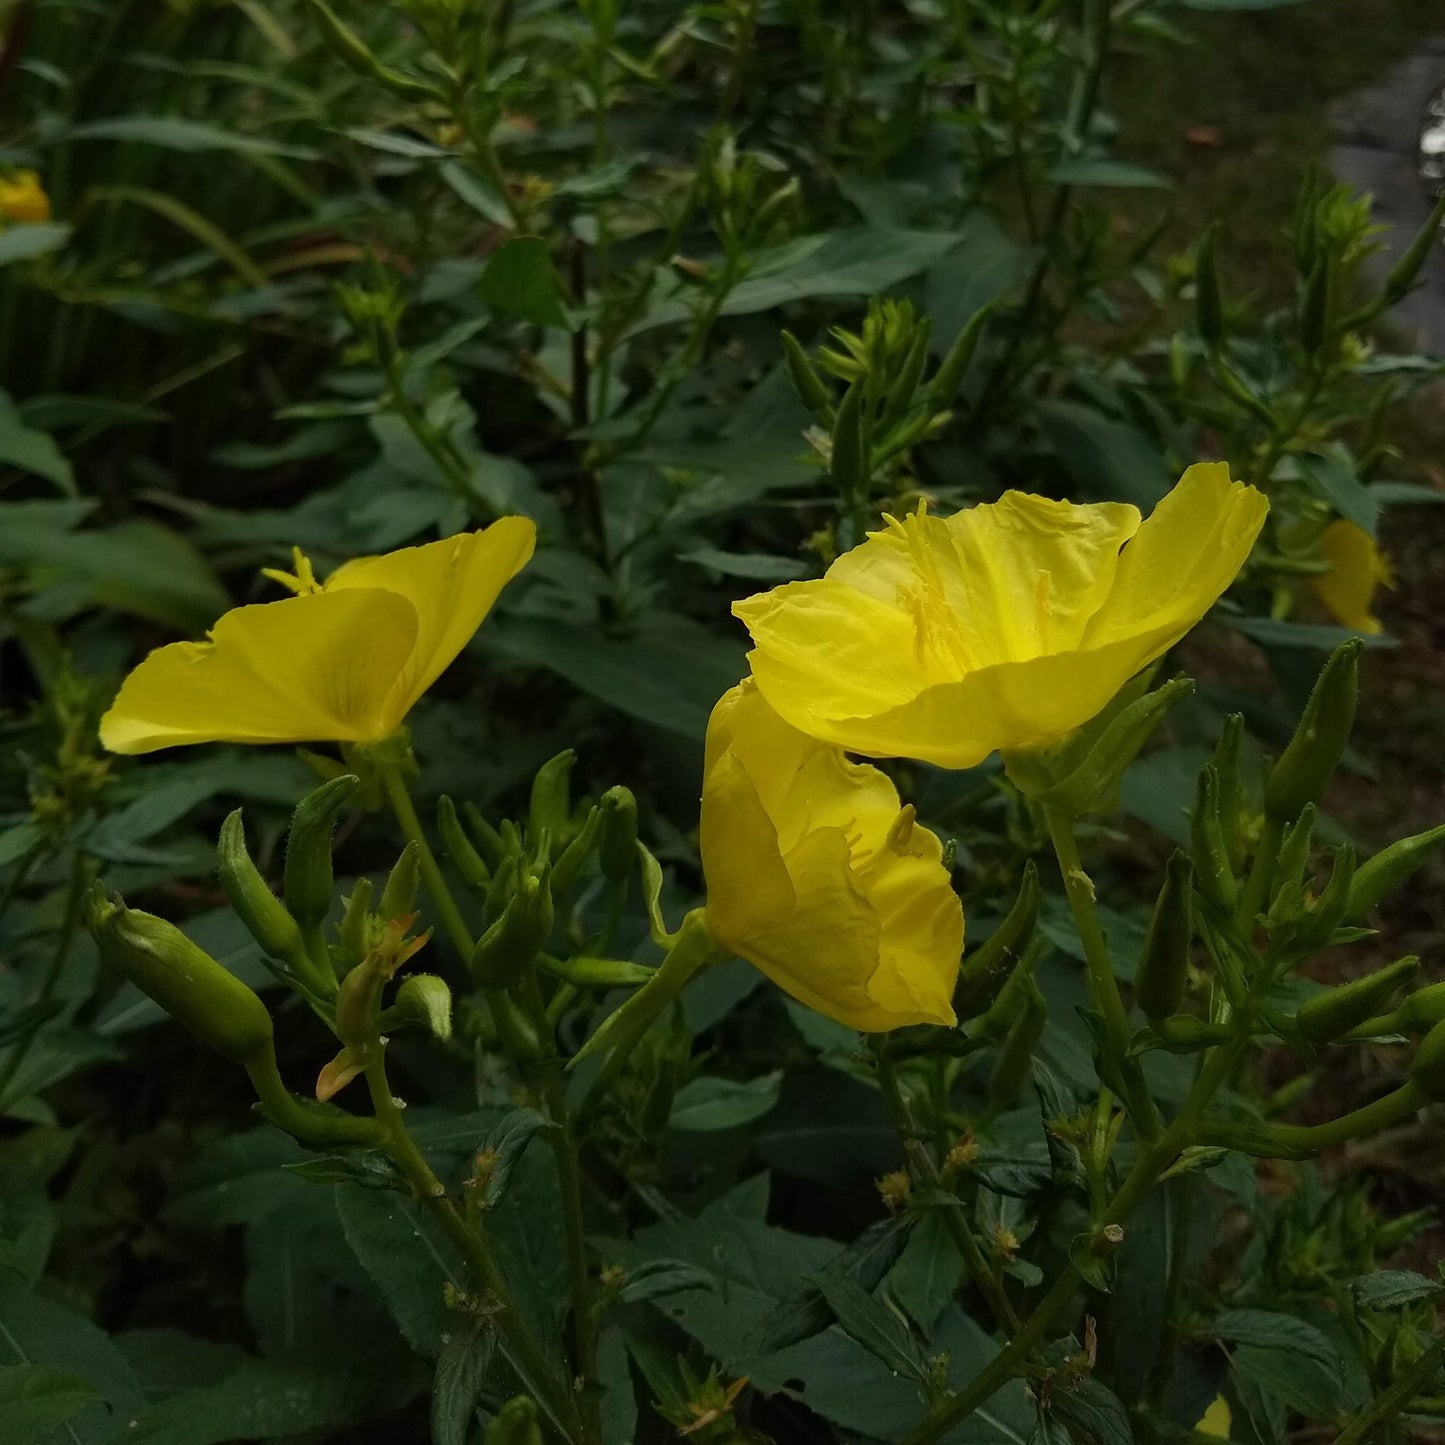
point(1217, 1420)
point(451, 584)
point(1357, 569)
point(307, 669)
point(1183, 558)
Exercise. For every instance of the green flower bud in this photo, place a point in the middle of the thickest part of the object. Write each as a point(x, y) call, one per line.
point(596, 972)
point(849, 465)
point(355, 921)
point(1306, 765)
point(1427, 1070)
point(1317, 304)
point(264, 915)
point(806, 382)
point(1184, 1034)
point(985, 970)
point(1014, 1065)
point(1423, 1009)
point(423, 1000)
point(551, 800)
point(512, 943)
point(617, 842)
point(1337, 1011)
point(1289, 869)
point(575, 854)
point(1378, 877)
point(905, 384)
point(307, 886)
point(1226, 766)
point(465, 859)
point(1164, 962)
point(1406, 271)
point(489, 842)
point(951, 371)
point(1213, 872)
point(181, 977)
point(1317, 927)
point(398, 898)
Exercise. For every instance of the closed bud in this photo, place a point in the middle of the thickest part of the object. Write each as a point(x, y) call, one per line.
point(1184, 1034)
point(1213, 870)
point(355, 921)
point(264, 915)
point(1306, 765)
point(512, 943)
point(905, 383)
point(308, 880)
point(1163, 966)
point(985, 969)
point(1014, 1065)
point(515, 1424)
point(1317, 304)
point(848, 463)
point(398, 898)
point(181, 977)
point(1288, 902)
point(426, 1001)
point(1316, 929)
point(1333, 1013)
point(1406, 271)
point(587, 972)
point(806, 382)
point(949, 376)
point(1422, 1010)
point(617, 840)
point(1226, 767)
point(468, 862)
point(1427, 1070)
point(575, 854)
point(551, 800)
point(489, 842)
point(1378, 877)
point(1208, 300)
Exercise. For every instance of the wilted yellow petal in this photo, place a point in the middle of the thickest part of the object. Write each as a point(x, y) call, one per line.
point(813, 879)
point(300, 670)
point(1006, 626)
point(452, 584)
point(1357, 569)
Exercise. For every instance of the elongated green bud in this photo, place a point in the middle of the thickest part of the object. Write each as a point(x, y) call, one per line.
point(1427, 1069)
point(551, 799)
point(1213, 871)
point(1423, 1009)
point(1094, 784)
point(515, 1424)
point(954, 367)
point(1226, 766)
point(512, 943)
point(353, 931)
point(1208, 300)
point(181, 977)
point(1378, 877)
point(1317, 304)
point(900, 394)
point(575, 854)
point(596, 972)
point(849, 467)
point(1014, 1066)
point(1163, 966)
point(1289, 869)
point(308, 881)
point(1336, 1011)
point(1317, 927)
point(264, 915)
point(489, 842)
point(989, 965)
point(1406, 271)
point(806, 382)
point(398, 898)
point(617, 841)
point(1305, 766)
point(466, 860)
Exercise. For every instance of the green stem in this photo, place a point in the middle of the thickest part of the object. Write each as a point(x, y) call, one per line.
point(925, 1171)
point(1309, 1138)
point(528, 1356)
point(75, 896)
point(1410, 1383)
point(1103, 988)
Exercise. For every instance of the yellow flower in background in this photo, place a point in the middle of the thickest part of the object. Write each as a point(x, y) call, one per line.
point(1357, 569)
point(23, 198)
point(819, 879)
point(1216, 1420)
point(342, 661)
point(1005, 626)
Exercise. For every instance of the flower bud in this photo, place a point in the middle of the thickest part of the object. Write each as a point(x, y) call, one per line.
point(1336, 1011)
point(985, 969)
point(905, 383)
point(1317, 303)
point(1305, 767)
point(459, 848)
point(1288, 902)
point(307, 887)
point(355, 921)
point(398, 898)
point(848, 465)
point(1014, 1065)
point(1423, 1009)
point(1427, 1070)
point(806, 382)
point(424, 1000)
point(551, 800)
point(512, 943)
point(949, 376)
point(1378, 877)
point(575, 854)
point(1184, 1034)
point(264, 915)
point(1213, 872)
point(617, 842)
point(181, 977)
point(1164, 962)
point(489, 842)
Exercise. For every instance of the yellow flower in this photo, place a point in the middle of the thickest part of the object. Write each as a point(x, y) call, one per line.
point(23, 198)
point(1357, 568)
point(1005, 626)
point(1216, 1420)
point(339, 662)
point(819, 879)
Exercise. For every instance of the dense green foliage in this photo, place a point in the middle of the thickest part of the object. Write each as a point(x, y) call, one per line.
point(704, 290)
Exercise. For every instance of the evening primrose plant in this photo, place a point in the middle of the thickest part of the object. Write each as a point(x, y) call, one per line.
point(1028, 628)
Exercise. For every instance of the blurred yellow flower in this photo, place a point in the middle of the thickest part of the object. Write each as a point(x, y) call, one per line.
point(1005, 626)
point(818, 878)
point(23, 198)
point(342, 661)
point(1216, 1420)
point(1357, 568)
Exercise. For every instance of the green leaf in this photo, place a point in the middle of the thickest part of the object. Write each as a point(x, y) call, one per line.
point(1267, 1329)
point(707, 1103)
point(461, 1374)
point(928, 1272)
point(1096, 1413)
point(29, 450)
point(1335, 476)
point(880, 1330)
point(1317, 637)
point(395, 144)
point(1393, 1289)
point(409, 1258)
point(25, 243)
point(521, 280)
point(364, 1168)
point(1238, 4)
point(37, 1399)
point(755, 566)
point(1110, 460)
point(506, 1143)
point(654, 1278)
point(175, 133)
point(1103, 171)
